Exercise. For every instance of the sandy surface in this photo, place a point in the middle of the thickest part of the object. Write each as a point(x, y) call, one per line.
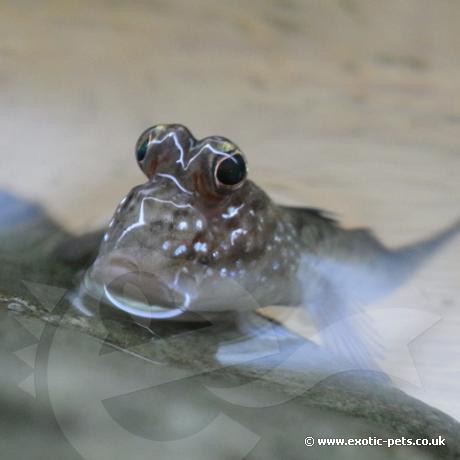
point(348, 105)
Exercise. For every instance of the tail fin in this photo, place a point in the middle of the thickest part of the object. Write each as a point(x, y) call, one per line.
point(352, 271)
point(410, 258)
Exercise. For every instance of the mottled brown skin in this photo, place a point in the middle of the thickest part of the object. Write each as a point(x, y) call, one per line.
point(193, 235)
point(250, 246)
point(188, 241)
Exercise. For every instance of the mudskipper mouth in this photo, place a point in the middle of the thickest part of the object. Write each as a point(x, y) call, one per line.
point(144, 294)
point(121, 283)
point(163, 296)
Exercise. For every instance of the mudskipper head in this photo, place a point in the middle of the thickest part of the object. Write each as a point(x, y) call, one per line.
point(197, 236)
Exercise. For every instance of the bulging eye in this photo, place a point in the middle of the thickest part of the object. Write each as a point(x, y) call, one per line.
point(142, 145)
point(231, 171)
point(141, 150)
point(161, 147)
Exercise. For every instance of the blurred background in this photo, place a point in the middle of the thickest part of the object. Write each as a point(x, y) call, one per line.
point(348, 105)
point(355, 102)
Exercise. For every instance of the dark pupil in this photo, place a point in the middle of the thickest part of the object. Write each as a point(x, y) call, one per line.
point(232, 170)
point(142, 150)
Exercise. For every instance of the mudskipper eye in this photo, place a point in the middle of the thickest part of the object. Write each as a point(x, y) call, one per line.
point(164, 147)
point(141, 150)
point(230, 172)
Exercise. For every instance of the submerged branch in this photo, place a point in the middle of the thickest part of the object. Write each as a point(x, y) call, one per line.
point(183, 346)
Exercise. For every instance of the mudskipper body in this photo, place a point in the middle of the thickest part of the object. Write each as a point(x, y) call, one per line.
point(200, 237)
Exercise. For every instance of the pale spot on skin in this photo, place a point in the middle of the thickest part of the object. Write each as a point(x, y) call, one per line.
point(180, 250)
point(236, 233)
point(232, 211)
point(200, 247)
point(182, 225)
